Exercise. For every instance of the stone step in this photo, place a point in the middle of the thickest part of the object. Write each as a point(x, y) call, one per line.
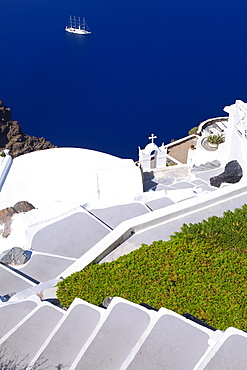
point(12, 313)
point(114, 337)
point(230, 352)
point(173, 342)
point(199, 183)
point(12, 282)
point(206, 175)
point(215, 163)
point(159, 203)
point(206, 166)
point(160, 187)
point(203, 167)
point(183, 185)
point(113, 216)
point(70, 335)
point(21, 344)
point(124, 336)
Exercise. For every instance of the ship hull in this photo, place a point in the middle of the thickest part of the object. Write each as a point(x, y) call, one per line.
point(77, 30)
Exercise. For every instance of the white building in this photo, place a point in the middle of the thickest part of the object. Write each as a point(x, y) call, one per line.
point(90, 207)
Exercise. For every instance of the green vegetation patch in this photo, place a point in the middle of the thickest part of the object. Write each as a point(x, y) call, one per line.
point(193, 130)
point(201, 270)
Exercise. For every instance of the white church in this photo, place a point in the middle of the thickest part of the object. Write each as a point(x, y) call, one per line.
point(103, 207)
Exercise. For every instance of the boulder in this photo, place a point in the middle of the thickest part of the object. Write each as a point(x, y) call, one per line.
point(23, 206)
point(6, 229)
point(6, 215)
point(231, 175)
point(14, 256)
point(106, 302)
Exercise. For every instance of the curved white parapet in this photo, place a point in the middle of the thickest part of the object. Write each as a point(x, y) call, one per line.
point(221, 122)
point(5, 164)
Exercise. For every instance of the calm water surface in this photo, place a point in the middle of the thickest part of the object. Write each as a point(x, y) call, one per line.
point(155, 66)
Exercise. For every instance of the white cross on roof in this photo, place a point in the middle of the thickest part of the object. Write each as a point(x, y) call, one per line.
point(152, 137)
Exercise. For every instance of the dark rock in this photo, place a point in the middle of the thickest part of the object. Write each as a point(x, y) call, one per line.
point(14, 256)
point(23, 206)
point(231, 175)
point(6, 215)
point(106, 302)
point(5, 113)
point(7, 229)
point(215, 181)
point(12, 137)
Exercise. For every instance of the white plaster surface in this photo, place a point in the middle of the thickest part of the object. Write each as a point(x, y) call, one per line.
point(66, 174)
point(201, 155)
point(119, 183)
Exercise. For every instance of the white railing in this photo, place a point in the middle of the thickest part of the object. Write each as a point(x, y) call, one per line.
point(5, 164)
point(138, 224)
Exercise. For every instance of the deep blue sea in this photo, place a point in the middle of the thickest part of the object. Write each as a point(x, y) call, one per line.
point(149, 66)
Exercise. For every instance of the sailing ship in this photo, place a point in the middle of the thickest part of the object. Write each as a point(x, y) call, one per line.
point(78, 26)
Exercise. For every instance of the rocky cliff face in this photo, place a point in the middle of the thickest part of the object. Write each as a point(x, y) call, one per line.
point(12, 137)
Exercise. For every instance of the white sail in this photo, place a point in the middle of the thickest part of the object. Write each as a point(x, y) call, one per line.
point(79, 27)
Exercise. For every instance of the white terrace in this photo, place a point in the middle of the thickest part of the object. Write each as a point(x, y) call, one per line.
point(91, 206)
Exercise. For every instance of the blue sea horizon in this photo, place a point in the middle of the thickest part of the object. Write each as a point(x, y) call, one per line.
point(160, 67)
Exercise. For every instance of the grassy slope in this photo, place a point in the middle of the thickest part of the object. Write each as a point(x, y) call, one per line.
point(201, 270)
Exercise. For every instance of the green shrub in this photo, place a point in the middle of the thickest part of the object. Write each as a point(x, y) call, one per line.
point(2, 154)
point(201, 269)
point(216, 139)
point(193, 130)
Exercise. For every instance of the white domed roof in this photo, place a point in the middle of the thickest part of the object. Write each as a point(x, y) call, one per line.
point(63, 174)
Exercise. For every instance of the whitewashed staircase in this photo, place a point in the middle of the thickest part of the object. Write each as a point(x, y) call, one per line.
point(39, 335)
point(206, 166)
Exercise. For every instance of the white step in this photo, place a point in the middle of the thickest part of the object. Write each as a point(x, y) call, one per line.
point(70, 335)
point(159, 203)
point(123, 336)
point(24, 342)
point(12, 282)
point(173, 342)
point(113, 216)
point(12, 313)
point(114, 337)
point(230, 352)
